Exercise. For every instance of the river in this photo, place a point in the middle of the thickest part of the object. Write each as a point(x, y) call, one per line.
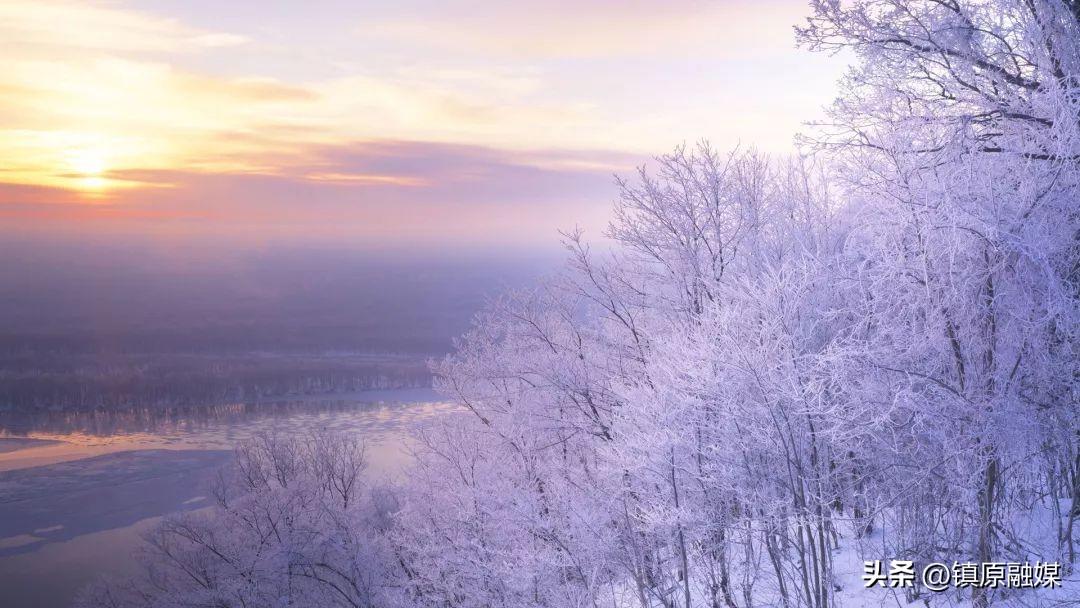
point(77, 490)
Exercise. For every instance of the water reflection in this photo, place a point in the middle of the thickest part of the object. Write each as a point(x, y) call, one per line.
point(379, 416)
point(105, 423)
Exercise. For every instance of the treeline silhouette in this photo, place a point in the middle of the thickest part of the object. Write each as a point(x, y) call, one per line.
point(108, 381)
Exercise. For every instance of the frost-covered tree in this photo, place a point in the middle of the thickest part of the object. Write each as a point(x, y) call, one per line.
point(293, 524)
point(959, 135)
point(777, 357)
point(778, 368)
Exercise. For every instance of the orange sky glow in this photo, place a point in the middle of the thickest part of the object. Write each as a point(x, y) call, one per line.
point(367, 120)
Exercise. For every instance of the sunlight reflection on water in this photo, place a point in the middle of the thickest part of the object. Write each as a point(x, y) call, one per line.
point(380, 417)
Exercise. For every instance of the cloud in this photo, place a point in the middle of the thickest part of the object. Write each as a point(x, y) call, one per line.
point(597, 29)
point(370, 191)
point(127, 104)
point(442, 113)
point(47, 25)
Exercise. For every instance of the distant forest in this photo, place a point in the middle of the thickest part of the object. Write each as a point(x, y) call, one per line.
point(103, 325)
point(91, 382)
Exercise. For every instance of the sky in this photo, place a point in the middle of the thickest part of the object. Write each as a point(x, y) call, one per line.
point(418, 121)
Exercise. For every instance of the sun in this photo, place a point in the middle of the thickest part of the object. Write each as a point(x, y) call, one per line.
point(87, 163)
point(88, 166)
